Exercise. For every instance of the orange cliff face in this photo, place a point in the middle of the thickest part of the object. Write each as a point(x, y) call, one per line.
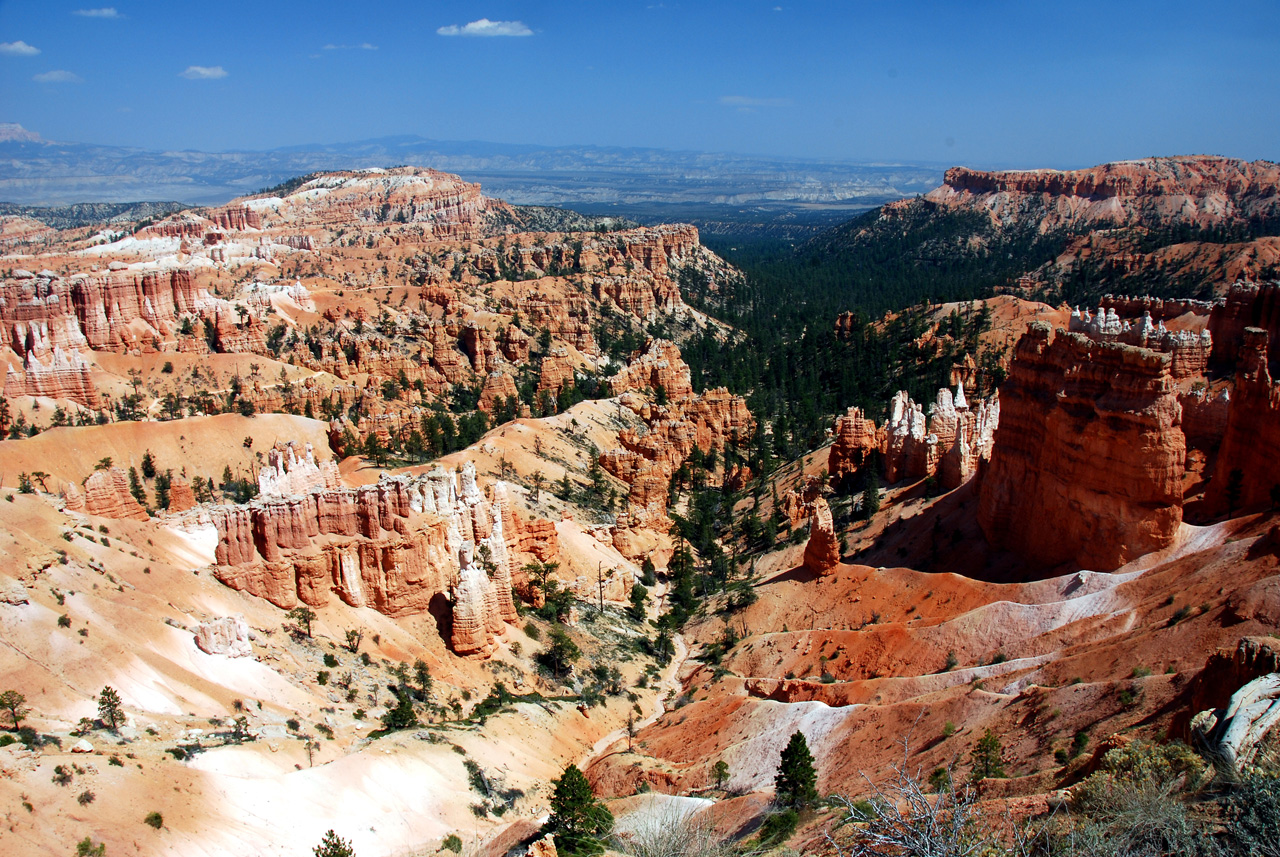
point(1088, 460)
point(443, 203)
point(705, 421)
point(1247, 471)
point(1201, 190)
point(398, 546)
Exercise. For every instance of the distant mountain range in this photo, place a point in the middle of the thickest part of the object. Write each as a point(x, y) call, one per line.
point(34, 171)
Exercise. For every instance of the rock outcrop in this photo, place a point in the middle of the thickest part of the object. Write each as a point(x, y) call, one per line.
point(1245, 305)
point(856, 438)
point(948, 443)
point(1088, 460)
point(106, 493)
point(1199, 190)
point(182, 497)
point(226, 636)
point(61, 375)
point(822, 553)
point(658, 366)
point(443, 204)
point(1248, 467)
point(287, 473)
point(646, 461)
point(1189, 351)
point(399, 546)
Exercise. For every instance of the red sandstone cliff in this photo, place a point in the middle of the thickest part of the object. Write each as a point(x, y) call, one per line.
point(1200, 190)
point(397, 546)
point(1088, 460)
point(1248, 460)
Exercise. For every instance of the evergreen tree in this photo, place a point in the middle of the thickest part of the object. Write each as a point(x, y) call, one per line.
point(109, 710)
point(333, 845)
point(304, 616)
point(796, 784)
point(986, 757)
point(562, 651)
point(16, 704)
point(402, 716)
point(135, 487)
point(578, 820)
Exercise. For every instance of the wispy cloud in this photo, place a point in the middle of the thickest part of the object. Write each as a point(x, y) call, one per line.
point(108, 12)
point(363, 46)
point(58, 76)
point(485, 27)
point(18, 49)
point(747, 102)
point(204, 72)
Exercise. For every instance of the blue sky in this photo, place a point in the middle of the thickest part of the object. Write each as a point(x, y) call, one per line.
point(987, 83)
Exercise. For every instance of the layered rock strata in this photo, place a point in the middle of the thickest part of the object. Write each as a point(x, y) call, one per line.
point(1189, 351)
point(1248, 467)
point(106, 493)
point(1245, 305)
point(1088, 460)
point(399, 546)
point(60, 376)
point(822, 553)
point(1199, 190)
point(286, 473)
point(647, 460)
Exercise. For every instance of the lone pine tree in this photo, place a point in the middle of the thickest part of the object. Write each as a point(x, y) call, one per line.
point(796, 784)
point(578, 820)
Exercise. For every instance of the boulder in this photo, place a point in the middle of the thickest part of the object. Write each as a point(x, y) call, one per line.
point(226, 636)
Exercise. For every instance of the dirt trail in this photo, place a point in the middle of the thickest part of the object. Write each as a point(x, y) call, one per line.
point(670, 681)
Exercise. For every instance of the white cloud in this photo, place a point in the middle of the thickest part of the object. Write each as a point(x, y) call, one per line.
point(58, 76)
point(204, 72)
point(363, 46)
point(108, 12)
point(748, 102)
point(18, 49)
point(485, 27)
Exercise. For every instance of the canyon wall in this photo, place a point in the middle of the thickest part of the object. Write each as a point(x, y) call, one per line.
point(1200, 190)
point(408, 544)
point(1088, 460)
point(1248, 467)
point(647, 460)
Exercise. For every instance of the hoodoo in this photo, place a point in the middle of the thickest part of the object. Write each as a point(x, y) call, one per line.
point(1088, 461)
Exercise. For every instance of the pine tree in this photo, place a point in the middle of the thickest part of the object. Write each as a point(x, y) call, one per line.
point(304, 616)
point(109, 710)
point(796, 784)
point(135, 487)
point(333, 845)
point(578, 820)
point(986, 757)
point(16, 704)
point(402, 716)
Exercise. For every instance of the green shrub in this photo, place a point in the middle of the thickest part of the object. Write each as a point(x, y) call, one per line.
point(453, 843)
point(779, 827)
point(1252, 813)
